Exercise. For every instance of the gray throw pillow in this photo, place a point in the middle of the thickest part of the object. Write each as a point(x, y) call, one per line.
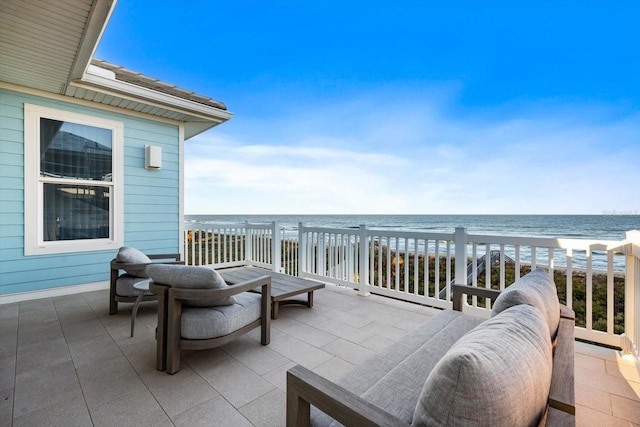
point(191, 277)
point(133, 256)
point(498, 374)
point(537, 289)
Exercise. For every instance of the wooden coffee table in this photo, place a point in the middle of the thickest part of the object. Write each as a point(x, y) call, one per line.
point(283, 286)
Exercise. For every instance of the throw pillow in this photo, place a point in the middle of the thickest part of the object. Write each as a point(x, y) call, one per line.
point(498, 374)
point(133, 256)
point(537, 289)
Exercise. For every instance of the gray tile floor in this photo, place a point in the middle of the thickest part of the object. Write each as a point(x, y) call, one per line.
point(64, 361)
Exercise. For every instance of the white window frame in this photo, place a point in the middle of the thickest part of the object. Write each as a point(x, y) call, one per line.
point(34, 243)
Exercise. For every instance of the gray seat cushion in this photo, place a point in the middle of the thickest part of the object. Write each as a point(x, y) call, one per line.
point(133, 256)
point(499, 374)
point(537, 289)
point(124, 285)
point(212, 322)
point(191, 277)
point(394, 378)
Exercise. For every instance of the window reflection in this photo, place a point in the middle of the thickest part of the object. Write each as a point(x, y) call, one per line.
point(75, 151)
point(73, 212)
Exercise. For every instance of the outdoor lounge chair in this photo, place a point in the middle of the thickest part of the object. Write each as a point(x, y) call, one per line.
point(134, 263)
point(198, 310)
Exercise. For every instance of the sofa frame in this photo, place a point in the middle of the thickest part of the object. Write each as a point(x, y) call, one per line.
point(306, 388)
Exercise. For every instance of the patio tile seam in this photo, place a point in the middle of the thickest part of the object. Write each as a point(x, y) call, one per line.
point(157, 401)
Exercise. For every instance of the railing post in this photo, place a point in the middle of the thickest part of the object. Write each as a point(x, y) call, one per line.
point(276, 247)
point(632, 295)
point(460, 241)
point(247, 244)
point(302, 250)
point(363, 262)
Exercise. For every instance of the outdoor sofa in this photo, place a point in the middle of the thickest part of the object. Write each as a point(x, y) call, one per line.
point(514, 369)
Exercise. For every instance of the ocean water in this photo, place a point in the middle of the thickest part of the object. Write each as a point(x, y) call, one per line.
point(597, 227)
point(592, 227)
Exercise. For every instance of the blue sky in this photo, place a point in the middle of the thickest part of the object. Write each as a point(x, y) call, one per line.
point(400, 107)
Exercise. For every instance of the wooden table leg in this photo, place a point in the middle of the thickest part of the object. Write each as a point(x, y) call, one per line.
point(310, 299)
point(275, 309)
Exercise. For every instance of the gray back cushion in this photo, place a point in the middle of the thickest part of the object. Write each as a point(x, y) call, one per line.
point(133, 256)
point(537, 289)
point(498, 374)
point(191, 277)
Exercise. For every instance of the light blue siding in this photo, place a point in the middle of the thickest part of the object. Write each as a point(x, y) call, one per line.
point(151, 199)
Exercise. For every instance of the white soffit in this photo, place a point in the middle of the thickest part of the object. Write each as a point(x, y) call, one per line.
point(42, 43)
point(49, 46)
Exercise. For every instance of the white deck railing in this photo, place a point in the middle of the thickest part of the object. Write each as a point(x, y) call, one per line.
point(259, 245)
point(599, 279)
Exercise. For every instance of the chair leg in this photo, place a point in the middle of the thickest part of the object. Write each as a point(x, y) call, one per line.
point(161, 329)
point(173, 336)
point(113, 304)
point(265, 330)
point(173, 359)
point(265, 324)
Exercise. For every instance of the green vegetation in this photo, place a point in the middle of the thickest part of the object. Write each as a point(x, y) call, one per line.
point(396, 280)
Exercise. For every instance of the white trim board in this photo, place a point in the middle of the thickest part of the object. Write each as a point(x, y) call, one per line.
point(86, 103)
point(54, 292)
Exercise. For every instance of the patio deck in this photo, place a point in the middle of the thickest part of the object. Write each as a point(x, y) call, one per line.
point(65, 361)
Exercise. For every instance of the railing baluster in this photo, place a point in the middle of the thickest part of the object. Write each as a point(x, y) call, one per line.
point(487, 272)
point(436, 278)
point(448, 273)
point(427, 268)
point(474, 274)
point(589, 291)
point(502, 267)
point(416, 266)
point(610, 293)
point(534, 261)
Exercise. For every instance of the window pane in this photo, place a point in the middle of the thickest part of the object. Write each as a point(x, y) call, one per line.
point(71, 150)
point(74, 212)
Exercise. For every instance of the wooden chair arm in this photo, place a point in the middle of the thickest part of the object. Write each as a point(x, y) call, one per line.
point(116, 265)
point(176, 257)
point(567, 313)
point(562, 392)
point(459, 291)
point(305, 388)
point(186, 294)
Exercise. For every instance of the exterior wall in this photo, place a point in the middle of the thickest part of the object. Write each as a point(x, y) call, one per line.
point(152, 217)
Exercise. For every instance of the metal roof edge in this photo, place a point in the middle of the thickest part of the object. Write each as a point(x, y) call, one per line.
point(94, 29)
point(152, 97)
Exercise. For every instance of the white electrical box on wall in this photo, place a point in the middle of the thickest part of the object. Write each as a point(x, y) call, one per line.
point(152, 157)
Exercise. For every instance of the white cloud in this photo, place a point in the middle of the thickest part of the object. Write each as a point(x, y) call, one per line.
point(407, 158)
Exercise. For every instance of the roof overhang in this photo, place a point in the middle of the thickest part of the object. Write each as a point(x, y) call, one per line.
point(50, 46)
point(197, 117)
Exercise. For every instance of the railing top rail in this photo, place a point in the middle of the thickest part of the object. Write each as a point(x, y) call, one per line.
point(242, 225)
point(353, 231)
point(547, 242)
point(381, 233)
point(215, 226)
point(422, 235)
